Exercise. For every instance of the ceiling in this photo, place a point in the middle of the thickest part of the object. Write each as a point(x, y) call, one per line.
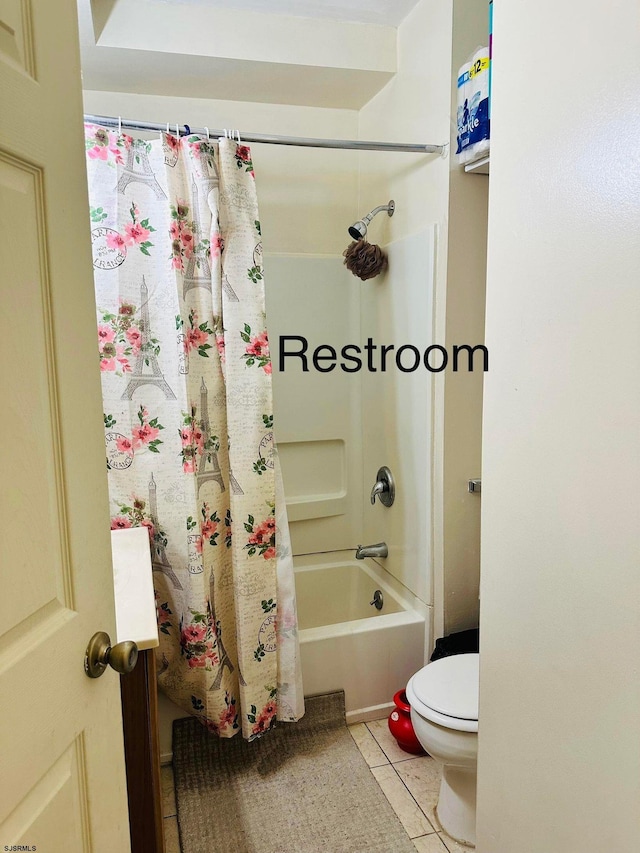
point(386, 12)
point(211, 51)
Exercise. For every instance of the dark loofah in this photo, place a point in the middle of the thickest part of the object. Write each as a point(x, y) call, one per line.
point(365, 259)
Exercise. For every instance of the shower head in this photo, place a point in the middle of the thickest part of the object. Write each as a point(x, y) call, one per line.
point(359, 229)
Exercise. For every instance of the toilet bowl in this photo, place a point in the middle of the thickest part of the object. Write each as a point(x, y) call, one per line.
point(443, 697)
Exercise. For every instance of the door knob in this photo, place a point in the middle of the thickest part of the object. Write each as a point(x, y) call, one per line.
point(122, 657)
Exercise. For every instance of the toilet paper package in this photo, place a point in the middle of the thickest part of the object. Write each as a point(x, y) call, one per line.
point(463, 112)
point(473, 107)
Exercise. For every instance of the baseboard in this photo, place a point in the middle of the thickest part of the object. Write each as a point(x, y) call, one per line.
point(373, 712)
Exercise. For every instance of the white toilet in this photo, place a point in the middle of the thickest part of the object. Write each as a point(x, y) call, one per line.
point(444, 711)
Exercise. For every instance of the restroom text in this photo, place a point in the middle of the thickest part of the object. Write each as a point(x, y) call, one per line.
point(374, 358)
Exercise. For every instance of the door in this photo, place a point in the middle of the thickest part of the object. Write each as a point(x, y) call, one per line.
point(63, 783)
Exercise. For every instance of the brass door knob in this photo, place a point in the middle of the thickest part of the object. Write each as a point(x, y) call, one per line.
point(100, 654)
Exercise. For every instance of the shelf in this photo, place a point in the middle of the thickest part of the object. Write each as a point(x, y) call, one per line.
point(480, 167)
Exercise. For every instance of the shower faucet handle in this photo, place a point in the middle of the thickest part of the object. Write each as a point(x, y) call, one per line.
point(384, 487)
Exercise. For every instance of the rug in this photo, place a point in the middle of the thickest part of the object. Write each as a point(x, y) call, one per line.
point(301, 788)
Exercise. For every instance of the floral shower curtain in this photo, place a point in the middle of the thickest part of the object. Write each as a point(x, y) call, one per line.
point(188, 417)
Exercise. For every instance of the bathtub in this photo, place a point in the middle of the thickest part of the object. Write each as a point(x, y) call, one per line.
point(346, 643)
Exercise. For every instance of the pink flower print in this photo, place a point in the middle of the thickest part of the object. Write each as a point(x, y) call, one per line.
point(228, 716)
point(117, 156)
point(259, 345)
point(106, 334)
point(121, 357)
point(135, 338)
point(195, 338)
point(188, 460)
point(212, 656)
point(209, 528)
point(136, 233)
point(265, 718)
point(217, 244)
point(172, 142)
point(195, 633)
point(220, 345)
point(199, 663)
point(263, 532)
point(256, 349)
point(198, 544)
point(262, 537)
point(116, 241)
point(98, 152)
point(186, 436)
point(144, 434)
point(174, 230)
point(124, 445)
point(107, 364)
point(243, 152)
point(120, 522)
point(126, 309)
point(149, 525)
point(176, 263)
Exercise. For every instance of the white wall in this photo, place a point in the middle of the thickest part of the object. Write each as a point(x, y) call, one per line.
point(559, 740)
point(403, 308)
point(458, 602)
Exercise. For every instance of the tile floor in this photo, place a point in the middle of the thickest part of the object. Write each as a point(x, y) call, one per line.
point(410, 784)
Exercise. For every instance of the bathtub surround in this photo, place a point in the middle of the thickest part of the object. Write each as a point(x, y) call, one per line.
point(186, 381)
point(305, 788)
point(405, 305)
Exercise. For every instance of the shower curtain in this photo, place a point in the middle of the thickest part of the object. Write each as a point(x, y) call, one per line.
point(188, 418)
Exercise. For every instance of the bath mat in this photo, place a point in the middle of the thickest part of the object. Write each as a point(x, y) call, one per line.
point(302, 788)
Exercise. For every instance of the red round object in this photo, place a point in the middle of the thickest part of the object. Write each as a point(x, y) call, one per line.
point(401, 727)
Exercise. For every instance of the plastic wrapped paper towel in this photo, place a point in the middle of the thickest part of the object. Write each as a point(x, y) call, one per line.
point(473, 107)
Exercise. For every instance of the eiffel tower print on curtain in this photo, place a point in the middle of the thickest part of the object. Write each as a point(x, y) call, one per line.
point(232, 296)
point(208, 168)
point(138, 170)
point(159, 560)
point(204, 474)
point(146, 370)
point(225, 660)
point(198, 271)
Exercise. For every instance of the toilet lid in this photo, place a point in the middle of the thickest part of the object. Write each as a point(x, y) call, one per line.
point(450, 686)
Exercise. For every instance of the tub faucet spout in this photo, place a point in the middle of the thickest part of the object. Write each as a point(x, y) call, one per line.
point(379, 550)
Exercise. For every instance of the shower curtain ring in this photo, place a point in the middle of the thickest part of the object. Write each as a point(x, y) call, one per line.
point(177, 130)
point(168, 127)
point(238, 136)
point(119, 125)
point(207, 129)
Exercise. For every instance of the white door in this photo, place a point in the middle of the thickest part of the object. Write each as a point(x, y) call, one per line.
point(62, 782)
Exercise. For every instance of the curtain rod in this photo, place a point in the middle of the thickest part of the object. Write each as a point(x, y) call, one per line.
point(353, 144)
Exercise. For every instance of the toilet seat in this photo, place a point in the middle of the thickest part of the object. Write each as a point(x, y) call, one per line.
point(446, 692)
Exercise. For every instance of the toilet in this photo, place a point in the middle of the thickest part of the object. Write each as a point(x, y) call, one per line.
point(443, 697)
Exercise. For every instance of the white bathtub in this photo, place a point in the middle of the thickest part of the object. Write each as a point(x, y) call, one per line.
point(345, 643)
